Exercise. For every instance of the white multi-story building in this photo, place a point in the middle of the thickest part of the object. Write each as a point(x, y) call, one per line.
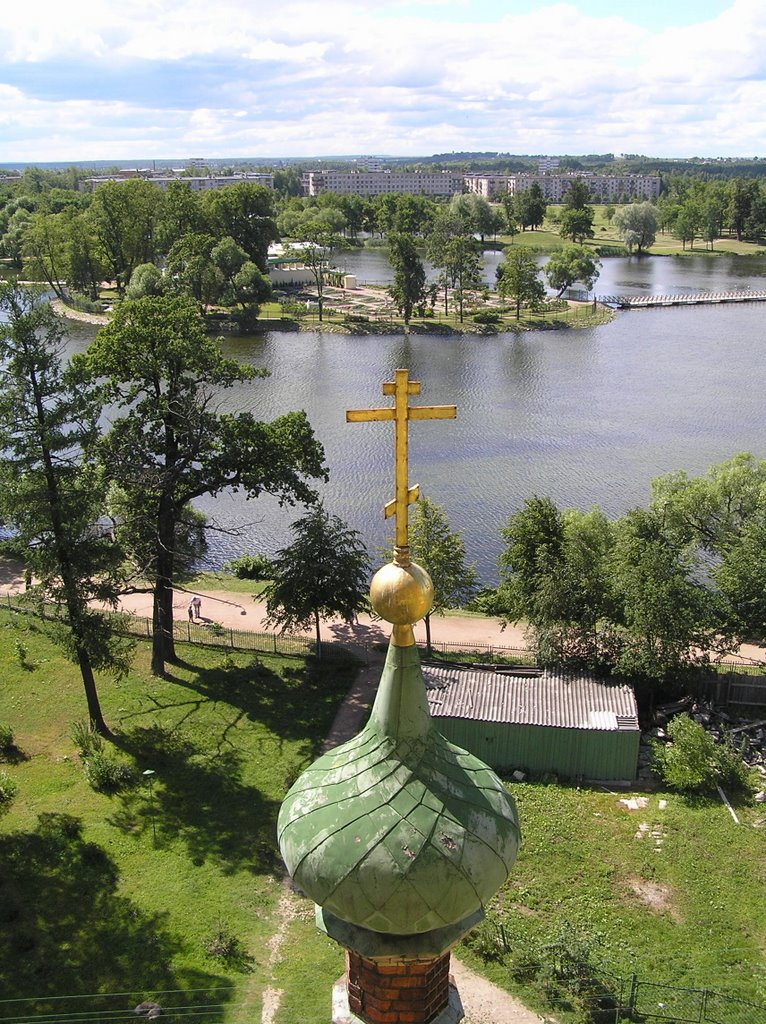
point(603, 188)
point(490, 186)
point(376, 183)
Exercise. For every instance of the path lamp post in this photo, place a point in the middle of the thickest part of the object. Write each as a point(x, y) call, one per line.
point(149, 776)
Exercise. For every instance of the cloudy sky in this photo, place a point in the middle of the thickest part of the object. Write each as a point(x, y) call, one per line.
point(111, 80)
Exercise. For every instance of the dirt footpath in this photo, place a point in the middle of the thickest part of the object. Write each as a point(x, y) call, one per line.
point(238, 611)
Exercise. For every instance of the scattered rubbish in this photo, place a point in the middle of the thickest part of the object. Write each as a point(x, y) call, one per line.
point(634, 803)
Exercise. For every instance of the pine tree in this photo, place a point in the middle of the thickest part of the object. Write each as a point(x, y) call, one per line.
point(51, 492)
point(324, 572)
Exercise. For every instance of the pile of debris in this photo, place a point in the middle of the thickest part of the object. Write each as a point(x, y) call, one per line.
point(747, 736)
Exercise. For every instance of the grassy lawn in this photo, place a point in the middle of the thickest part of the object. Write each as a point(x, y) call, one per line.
point(127, 893)
point(222, 580)
point(680, 902)
point(548, 239)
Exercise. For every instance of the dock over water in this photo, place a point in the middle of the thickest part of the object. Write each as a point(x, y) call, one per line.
point(686, 299)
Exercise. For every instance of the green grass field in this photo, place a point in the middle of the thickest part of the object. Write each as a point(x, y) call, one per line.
point(680, 902)
point(127, 893)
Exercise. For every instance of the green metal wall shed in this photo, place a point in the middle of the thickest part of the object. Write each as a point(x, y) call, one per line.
point(577, 726)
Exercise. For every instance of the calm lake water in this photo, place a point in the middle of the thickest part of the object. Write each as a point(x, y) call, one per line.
point(586, 416)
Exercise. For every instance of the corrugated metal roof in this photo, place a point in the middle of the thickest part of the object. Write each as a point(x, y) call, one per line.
point(553, 699)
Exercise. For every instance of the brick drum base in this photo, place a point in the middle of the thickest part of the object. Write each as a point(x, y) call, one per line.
point(389, 991)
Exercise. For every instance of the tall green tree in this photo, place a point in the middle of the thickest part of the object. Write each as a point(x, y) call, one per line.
point(244, 212)
point(553, 578)
point(408, 288)
point(577, 223)
point(441, 552)
point(530, 207)
point(51, 491)
point(453, 251)
point(636, 225)
point(740, 576)
point(318, 243)
point(244, 282)
point(324, 572)
point(168, 445)
point(668, 615)
point(518, 278)
point(713, 509)
point(577, 196)
point(125, 215)
point(570, 264)
point(191, 270)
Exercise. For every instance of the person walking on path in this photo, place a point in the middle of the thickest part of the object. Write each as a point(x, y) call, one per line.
point(197, 606)
point(191, 611)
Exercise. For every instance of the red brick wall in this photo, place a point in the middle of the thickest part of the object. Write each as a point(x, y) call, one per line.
point(397, 991)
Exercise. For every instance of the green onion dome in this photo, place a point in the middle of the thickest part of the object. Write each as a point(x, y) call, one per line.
point(399, 831)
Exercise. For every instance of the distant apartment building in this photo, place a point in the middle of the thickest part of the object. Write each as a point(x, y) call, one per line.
point(604, 188)
point(489, 186)
point(376, 183)
point(195, 183)
point(547, 164)
point(369, 163)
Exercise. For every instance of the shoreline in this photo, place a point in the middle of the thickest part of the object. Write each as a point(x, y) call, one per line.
point(595, 318)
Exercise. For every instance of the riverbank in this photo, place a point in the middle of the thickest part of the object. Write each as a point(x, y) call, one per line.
point(376, 320)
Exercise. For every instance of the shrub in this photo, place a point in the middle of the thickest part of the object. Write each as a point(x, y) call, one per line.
point(487, 316)
point(86, 739)
point(21, 652)
point(7, 743)
point(732, 770)
point(693, 762)
point(80, 302)
point(7, 792)
point(224, 945)
point(107, 775)
point(250, 567)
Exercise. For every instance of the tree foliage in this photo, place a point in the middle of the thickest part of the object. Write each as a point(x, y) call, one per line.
point(453, 250)
point(441, 552)
point(636, 225)
point(530, 207)
point(170, 445)
point(577, 223)
point(570, 264)
point(51, 489)
point(324, 572)
point(408, 288)
point(518, 278)
point(629, 596)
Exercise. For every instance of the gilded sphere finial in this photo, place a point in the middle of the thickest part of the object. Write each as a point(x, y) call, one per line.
point(402, 594)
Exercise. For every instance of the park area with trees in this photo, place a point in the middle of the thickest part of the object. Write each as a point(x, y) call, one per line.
point(137, 852)
point(130, 239)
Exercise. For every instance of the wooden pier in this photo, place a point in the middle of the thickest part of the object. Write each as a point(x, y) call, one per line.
point(688, 299)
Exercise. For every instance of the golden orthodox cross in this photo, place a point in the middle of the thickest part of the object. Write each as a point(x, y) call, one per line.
point(401, 388)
